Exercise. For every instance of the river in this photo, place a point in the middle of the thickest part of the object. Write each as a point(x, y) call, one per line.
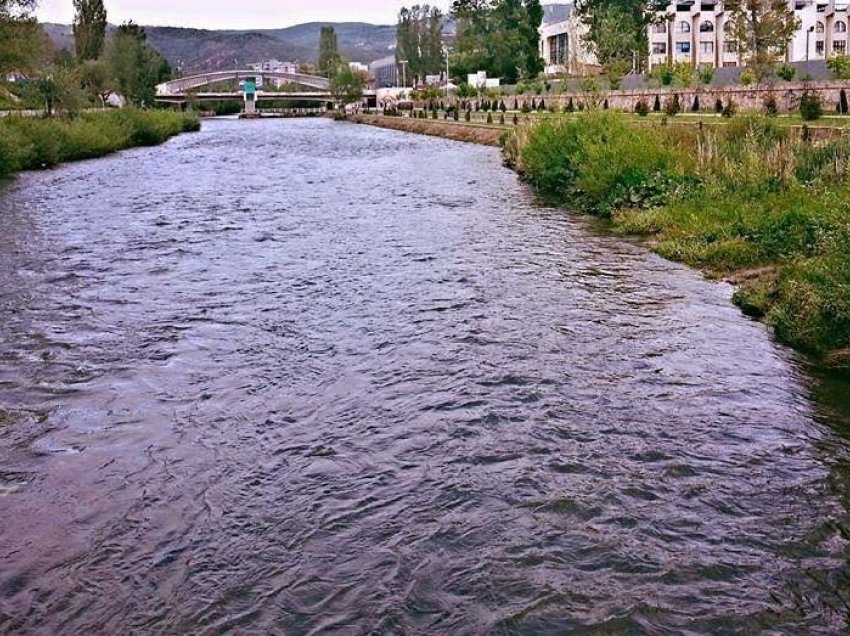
point(304, 377)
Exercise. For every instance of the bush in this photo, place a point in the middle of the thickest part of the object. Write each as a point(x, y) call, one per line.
point(706, 75)
point(695, 107)
point(642, 108)
point(786, 72)
point(729, 110)
point(718, 106)
point(656, 106)
point(810, 106)
point(770, 107)
point(571, 107)
point(673, 107)
point(748, 77)
point(595, 159)
point(839, 65)
point(842, 102)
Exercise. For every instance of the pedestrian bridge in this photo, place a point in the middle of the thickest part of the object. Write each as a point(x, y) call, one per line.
point(180, 87)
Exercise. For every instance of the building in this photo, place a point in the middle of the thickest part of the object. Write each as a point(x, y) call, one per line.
point(563, 49)
point(275, 66)
point(357, 67)
point(694, 32)
point(480, 80)
point(385, 72)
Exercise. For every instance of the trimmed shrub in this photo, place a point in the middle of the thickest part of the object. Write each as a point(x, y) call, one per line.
point(810, 106)
point(786, 72)
point(642, 108)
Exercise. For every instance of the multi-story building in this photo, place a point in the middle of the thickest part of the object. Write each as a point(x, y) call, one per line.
point(696, 32)
point(385, 72)
point(563, 49)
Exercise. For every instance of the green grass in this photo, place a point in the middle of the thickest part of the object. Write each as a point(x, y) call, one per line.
point(27, 143)
point(749, 196)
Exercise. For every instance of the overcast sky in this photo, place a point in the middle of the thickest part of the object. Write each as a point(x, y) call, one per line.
point(237, 14)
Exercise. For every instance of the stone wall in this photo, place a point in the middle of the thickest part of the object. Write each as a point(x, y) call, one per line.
point(747, 98)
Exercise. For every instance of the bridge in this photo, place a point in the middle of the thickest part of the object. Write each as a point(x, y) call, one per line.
point(188, 84)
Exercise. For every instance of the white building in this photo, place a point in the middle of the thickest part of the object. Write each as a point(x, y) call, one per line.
point(480, 80)
point(563, 49)
point(694, 32)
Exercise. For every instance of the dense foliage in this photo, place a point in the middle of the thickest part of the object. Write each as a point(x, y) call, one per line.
point(499, 37)
point(328, 50)
point(89, 29)
point(22, 41)
point(136, 67)
point(420, 40)
point(39, 143)
point(745, 196)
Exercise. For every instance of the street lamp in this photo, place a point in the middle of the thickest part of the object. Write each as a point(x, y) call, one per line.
point(809, 32)
point(404, 64)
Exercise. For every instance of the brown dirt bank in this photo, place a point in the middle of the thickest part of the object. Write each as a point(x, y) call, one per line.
point(485, 135)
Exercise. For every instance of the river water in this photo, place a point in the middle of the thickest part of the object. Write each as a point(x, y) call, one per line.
point(303, 377)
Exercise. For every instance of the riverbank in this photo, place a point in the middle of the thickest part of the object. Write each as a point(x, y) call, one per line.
point(31, 144)
point(483, 134)
point(750, 201)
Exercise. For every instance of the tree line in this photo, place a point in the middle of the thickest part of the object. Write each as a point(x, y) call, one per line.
point(101, 64)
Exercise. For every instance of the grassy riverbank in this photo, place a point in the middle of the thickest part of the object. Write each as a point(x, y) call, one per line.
point(27, 144)
point(747, 200)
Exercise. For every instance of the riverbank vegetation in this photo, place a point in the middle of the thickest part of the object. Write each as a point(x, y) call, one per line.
point(749, 200)
point(27, 143)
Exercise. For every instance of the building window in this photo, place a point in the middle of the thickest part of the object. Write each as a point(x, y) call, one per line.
point(683, 47)
point(819, 28)
point(558, 49)
point(706, 48)
point(660, 27)
point(839, 46)
point(706, 27)
point(683, 27)
point(730, 64)
point(730, 47)
point(659, 48)
point(840, 27)
point(819, 47)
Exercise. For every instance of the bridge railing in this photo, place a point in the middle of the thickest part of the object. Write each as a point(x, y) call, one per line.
point(180, 86)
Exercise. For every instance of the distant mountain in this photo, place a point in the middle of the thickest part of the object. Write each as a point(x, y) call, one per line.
point(205, 50)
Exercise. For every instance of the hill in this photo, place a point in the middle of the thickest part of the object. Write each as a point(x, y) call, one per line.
point(206, 50)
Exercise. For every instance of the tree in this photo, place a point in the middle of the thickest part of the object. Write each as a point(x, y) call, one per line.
point(761, 30)
point(136, 67)
point(617, 29)
point(346, 84)
point(499, 37)
point(89, 29)
point(22, 41)
point(328, 51)
point(419, 38)
point(96, 79)
point(60, 90)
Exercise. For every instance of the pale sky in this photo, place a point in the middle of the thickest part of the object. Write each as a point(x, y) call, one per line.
point(236, 14)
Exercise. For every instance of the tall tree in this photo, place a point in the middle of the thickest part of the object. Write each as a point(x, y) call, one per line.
point(328, 50)
point(346, 84)
point(419, 39)
point(498, 36)
point(89, 29)
point(761, 30)
point(136, 67)
point(22, 40)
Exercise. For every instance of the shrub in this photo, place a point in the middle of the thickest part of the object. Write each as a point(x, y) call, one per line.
point(718, 106)
point(642, 108)
point(786, 72)
point(729, 110)
point(706, 75)
point(695, 107)
point(541, 106)
point(842, 102)
point(810, 106)
point(656, 106)
point(571, 107)
point(526, 108)
point(489, 118)
point(770, 107)
point(597, 158)
point(748, 77)
point(839, 65)
point(673, 107)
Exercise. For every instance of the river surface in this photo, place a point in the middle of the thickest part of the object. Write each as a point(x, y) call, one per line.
point(302, 377)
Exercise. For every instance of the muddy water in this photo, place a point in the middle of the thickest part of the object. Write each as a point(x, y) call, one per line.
point(304, 377)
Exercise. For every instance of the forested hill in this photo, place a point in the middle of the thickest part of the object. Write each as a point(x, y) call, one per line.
point(199, 49)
